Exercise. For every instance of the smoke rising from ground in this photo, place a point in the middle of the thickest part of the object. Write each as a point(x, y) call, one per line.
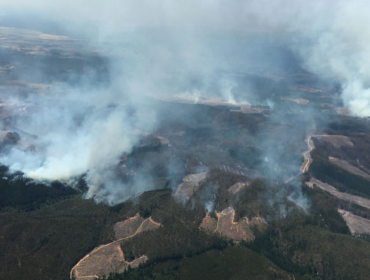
point(331, 38)
point(185, 48)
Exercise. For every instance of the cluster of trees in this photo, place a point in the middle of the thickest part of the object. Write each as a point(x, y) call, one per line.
point(298, 246)
point(339, 178)
point(230, 262)
point(25, 195)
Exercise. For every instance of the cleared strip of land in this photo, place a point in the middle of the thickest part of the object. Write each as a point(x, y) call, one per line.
point(356, 224)
point(349, 167)
point(109, 258)
point(225, 225)
point(341, 195)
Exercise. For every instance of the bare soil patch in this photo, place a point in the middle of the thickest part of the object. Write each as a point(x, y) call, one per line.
point(247, 110)
point(356, 224)
point(237, 187)
point(189, 185)
point(306, 89)
point(226, 225)
point(336, 140)
point(208, 223)
point(349, 167)
point(128, 227)
point(344, 196)
point(53, 37)
point(298, 101)
point(109, 258)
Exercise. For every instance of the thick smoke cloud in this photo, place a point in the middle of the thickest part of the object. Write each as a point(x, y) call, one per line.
point(331, 37)
point(185, 48)
point(336, 46)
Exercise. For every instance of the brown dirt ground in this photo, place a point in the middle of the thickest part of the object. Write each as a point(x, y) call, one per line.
point(189, 185)
point(109, 258)
point(237, 187)
point(298, 101)
point(336, 140)
point(208, 223)
point(306, 89)
point(356, 224)
point(226, 226)
point(349, 167)
point(247, 110)
point(128, 227)
point(344, 196)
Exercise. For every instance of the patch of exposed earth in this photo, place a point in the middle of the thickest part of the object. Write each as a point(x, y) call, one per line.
point(349, 167)
point(237, 187)
point(341, 195)
point(225, 225)
point(337, 141)
point(342, 111)
point(109, 258)
point(305, 89)
point(238, 171)
point(190, 185)
point(298, 101)
point(247, 110)
point(188, 99)
point(356, 224)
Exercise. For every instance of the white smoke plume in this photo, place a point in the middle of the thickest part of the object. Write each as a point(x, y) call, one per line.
point(160, 47)
point(332, 37)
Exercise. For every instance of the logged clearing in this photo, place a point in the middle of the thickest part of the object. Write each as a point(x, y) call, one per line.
point(336, 140)
point(208, 223)
point(356, 224)
point(53, 37)
point(298, 101)
point(344, 196)
point(238, 171)
point(226, 226)
point(237, 187)
point(189, 185)
point(109, 258)
point(305, 89)
point(349, 167)
point(247, 110)
point(128, 227)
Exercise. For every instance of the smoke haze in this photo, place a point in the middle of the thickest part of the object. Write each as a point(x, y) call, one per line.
point(166, 49)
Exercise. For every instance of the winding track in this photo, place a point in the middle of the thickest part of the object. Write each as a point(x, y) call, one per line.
point(307, 158)
point(307, 154)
